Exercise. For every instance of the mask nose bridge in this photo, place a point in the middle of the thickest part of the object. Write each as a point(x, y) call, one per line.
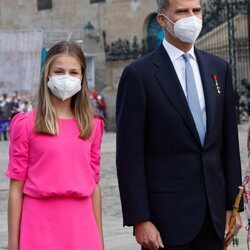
point(68, 74)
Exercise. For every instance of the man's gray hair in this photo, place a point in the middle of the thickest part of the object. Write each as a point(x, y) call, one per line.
point(162, 5)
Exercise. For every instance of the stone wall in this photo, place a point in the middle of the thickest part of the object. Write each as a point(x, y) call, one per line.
point(120, 19)
point(67, 19)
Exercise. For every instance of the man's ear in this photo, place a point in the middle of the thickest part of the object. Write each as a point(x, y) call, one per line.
point(161, 20)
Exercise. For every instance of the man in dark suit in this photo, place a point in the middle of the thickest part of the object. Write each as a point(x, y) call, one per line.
point(178, 161)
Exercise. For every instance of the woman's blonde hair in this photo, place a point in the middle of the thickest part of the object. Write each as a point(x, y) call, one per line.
point(46, 119)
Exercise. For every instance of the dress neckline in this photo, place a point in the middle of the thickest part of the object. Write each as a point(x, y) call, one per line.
point(67, 119)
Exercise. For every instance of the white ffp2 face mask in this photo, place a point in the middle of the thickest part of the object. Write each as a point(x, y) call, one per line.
point(186, 29)
point(64, 86)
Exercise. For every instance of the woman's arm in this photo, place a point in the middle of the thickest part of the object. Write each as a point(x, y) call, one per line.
point(14, 213)
point(97, 209)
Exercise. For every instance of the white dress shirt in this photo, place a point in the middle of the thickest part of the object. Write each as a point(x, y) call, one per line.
point(179, 64)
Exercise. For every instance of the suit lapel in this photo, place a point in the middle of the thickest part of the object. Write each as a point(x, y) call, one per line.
point(209, 88)
point(169, 82)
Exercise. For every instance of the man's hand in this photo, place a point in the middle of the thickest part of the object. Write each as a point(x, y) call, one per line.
point(234, 231)
point(148, 236)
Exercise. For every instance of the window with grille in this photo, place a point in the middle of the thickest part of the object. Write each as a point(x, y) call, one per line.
point(44, 4)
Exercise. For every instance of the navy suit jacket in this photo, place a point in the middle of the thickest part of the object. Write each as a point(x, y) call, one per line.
point(165, 175)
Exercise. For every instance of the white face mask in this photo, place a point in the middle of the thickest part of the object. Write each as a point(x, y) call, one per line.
point(64, 86)
point(186, 29)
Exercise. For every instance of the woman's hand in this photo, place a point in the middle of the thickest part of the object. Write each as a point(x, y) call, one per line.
point(229, 234)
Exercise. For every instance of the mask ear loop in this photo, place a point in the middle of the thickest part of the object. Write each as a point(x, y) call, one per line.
point(170, 31)
point(167, 18)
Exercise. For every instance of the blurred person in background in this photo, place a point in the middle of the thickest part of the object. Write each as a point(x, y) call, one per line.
point(5, 116)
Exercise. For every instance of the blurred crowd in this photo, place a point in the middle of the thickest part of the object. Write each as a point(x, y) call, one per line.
point(98, 102)
point(11, 104)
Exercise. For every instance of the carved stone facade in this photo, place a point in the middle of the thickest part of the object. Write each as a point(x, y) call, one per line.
point(69, 19)
point(112, 33)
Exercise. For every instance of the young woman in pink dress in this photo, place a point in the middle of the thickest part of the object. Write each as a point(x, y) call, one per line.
point(54, 162)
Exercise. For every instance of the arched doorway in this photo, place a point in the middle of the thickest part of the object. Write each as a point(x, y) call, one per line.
point(155, 33)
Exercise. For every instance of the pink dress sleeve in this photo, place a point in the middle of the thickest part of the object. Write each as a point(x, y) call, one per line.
point(19, 148)
point(96, 148)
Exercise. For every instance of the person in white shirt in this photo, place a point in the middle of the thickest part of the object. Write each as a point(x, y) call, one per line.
point(178, 162)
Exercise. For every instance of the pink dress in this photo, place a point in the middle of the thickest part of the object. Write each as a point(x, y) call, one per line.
point(60, 173)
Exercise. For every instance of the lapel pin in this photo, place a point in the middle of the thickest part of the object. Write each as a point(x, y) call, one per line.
point(216, 83)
